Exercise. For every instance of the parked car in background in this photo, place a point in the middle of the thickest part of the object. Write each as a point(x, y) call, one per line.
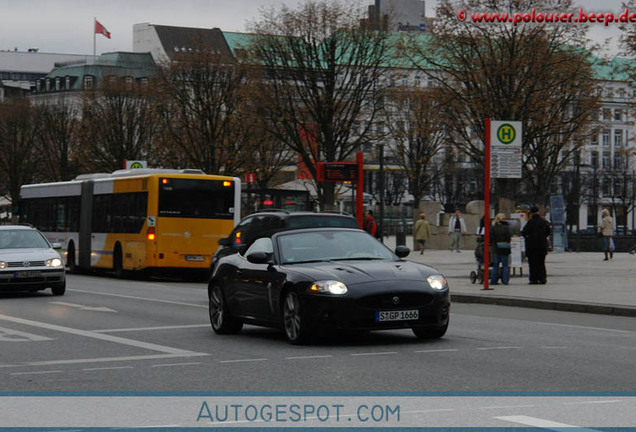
point(28, 262)
point(313, 280)
point(266, 223)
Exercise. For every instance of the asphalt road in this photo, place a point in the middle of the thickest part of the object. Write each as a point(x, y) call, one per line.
point(109, 335)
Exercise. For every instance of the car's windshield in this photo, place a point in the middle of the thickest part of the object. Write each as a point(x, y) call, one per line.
point(21, 239)
point(331, 246)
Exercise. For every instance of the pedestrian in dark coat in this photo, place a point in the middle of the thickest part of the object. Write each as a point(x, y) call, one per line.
point(536, 234)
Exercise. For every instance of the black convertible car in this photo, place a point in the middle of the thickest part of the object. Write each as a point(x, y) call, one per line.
point(310, 280)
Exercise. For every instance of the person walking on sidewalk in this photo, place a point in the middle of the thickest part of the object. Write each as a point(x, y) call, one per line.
point(422, 232)
point(536, 233)
point(456, 228)
point(500, 245)
point(607, 232)
point(370, 225)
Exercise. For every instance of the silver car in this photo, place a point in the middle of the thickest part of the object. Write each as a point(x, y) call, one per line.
point(28, 261)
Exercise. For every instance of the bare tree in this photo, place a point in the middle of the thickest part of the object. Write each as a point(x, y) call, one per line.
point(202, 92)
point(118, 123)
point(533, 73)
point(416, 130)
point(323, 79)
point(19, 159)
point(57, 137)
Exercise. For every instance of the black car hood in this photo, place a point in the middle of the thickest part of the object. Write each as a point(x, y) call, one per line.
point(355, 272)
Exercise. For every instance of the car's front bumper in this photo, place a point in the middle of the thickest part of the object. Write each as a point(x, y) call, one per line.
point(324, 311)
point(11, 280)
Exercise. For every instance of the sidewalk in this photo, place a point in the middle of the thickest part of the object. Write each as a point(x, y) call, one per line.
point(577, 282)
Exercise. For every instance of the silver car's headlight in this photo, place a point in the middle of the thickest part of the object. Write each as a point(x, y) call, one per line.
point(328, 287)
point(437, 282)
point(3, 265)
point(54, 262)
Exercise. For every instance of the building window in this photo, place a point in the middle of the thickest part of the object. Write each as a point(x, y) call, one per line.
point(607, 187)
point(48, 85)
point(618, 160)
point(618, 114)
point(606, 137)
point(38, 86)
point(595, 139)
point(67, 85)
point(607, 114)
point(618, 137)
point(88, 82)
point(418, 81)
point(606, 159)
point(57, 84)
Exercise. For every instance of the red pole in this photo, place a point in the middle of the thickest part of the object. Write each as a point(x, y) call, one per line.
point(487, 207)
point(360, 191)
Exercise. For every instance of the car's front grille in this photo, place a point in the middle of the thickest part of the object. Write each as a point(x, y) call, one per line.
point(396, 300)
point(24, 264)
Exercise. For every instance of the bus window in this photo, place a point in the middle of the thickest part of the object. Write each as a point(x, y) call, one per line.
point(188, 198)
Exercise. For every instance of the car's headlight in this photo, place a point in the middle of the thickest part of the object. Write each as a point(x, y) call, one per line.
point(3, 265)
point(328, 287)
point(54, 262)
point(437, 282)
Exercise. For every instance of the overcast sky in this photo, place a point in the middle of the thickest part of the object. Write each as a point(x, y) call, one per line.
point(66, 26)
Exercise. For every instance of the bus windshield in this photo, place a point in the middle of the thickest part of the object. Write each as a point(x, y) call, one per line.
point(190, 198)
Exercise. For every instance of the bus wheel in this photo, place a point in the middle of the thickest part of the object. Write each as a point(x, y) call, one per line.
point(118, 266)
point(70, 258)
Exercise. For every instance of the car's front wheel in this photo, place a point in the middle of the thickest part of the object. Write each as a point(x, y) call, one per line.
point(430, 333)
point(296, 326)
point(59, 289)
point(220, 319)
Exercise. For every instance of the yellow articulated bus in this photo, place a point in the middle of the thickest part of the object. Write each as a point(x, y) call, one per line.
point(132, 220)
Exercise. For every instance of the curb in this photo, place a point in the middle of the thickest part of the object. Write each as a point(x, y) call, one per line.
point(569, 306)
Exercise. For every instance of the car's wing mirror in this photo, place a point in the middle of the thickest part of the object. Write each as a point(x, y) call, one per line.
point(259, 258)
point(402, 251)
point(225, 241)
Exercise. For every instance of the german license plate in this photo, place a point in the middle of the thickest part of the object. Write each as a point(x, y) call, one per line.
point(27, 274)
point(403, 315)
point(196, 258)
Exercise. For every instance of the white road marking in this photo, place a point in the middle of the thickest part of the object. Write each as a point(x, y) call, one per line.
point(122, 330)
point(243, 360)
point(308, 357)
point(553, 347)
point(499, 348)
point(176, 364)
point(9, 335)
point(84, 308)
point(102, 360)
point(506, 406)
point(374, 353)
point(93, 335)
point(593, 402)
point(107, 368)
point(437, 350)
point(141, 298)
point(540, 423)
point(36, 372)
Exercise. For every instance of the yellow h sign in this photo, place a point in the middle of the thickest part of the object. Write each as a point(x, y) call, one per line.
point(506, 133)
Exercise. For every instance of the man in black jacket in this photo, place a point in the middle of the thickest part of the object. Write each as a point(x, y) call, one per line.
point(536, 234)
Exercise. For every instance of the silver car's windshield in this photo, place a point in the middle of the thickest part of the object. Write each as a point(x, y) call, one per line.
point(331, 246)
point(21, 239)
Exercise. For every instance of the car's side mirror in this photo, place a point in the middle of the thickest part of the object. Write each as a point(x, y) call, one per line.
point(225, 241)
point(259, 258)
point(402, 251)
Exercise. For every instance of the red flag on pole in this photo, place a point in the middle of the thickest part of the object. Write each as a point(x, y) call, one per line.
point(100, 29)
